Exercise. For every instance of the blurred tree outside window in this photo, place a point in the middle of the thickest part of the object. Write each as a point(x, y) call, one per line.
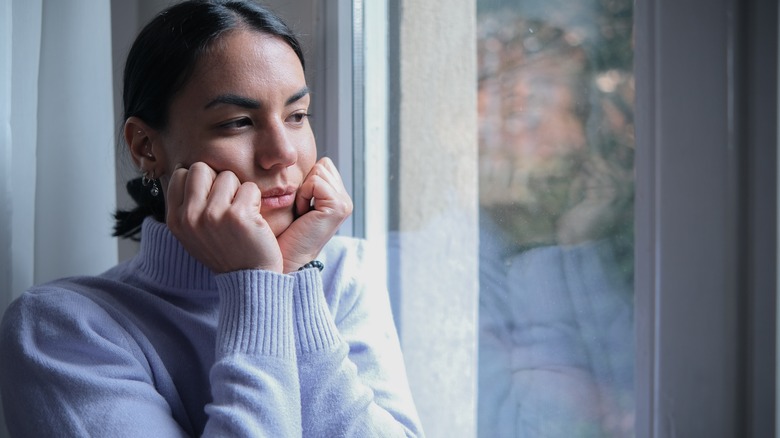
point(556, 175)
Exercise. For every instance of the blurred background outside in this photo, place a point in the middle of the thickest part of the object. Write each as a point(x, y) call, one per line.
point(556, 196)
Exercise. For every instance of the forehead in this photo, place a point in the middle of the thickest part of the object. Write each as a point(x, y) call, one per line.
point(247, 61)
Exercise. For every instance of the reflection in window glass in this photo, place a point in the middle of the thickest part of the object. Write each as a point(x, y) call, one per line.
point(556, 151)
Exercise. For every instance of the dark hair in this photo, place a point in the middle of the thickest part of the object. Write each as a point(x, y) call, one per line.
point(160, 63)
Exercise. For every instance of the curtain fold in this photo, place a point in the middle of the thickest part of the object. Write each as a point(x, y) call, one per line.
point(19, 206)
point(6, 31)
point(56, 143)
point(75, 194)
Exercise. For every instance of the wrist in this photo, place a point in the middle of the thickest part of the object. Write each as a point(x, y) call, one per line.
point(291, 266)
point(314, 264)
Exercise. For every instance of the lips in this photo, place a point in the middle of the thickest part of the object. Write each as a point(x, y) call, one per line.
point(278, 197)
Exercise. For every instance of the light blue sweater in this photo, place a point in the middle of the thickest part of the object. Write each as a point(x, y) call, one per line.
point(160, 347)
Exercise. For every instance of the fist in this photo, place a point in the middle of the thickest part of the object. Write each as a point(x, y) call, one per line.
point(322, 204)
point(217, 219)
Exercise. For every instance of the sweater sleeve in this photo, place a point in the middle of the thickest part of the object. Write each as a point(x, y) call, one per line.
point(254, 380)
point(68, 369)
point(351, 371)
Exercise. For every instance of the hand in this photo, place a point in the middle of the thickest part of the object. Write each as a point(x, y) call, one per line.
point(217, 219)
point(608, 191)
point(322, 204)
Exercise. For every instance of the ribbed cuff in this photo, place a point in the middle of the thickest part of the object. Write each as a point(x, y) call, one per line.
point(255, 313)
point(314, 326)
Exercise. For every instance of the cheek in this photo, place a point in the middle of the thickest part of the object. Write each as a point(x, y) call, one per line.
point(219, 155)
point(179, 149)
point(307, 155)
point(180, 155)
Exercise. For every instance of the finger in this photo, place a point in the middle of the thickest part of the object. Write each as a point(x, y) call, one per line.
point(324, 175)
point(323, 188)
point(248, 198)
point(330, 174)
point(200, 178)
point(174, 195)
point(327, 163)
point(325, 169)
point(329, 200)
point(220, 197)
point(224, 189)
point(304, 196)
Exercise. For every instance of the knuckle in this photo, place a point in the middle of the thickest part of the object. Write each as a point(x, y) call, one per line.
point(212, 215)
point(198, 166)
point(346, 206)
point(227, 176)
point(317, 170)
point(250, 188)
point(189, 220)
point(235, 217)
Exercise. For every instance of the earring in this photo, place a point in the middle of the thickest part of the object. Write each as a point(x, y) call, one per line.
point(148, 151)
point(146, 181)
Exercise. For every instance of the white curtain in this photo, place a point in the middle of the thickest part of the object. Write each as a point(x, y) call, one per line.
point(57, 143)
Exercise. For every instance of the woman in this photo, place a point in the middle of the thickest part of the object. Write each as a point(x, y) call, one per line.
point(226, 322)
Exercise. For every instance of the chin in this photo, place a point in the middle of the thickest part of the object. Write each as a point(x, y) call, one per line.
point(279, 222)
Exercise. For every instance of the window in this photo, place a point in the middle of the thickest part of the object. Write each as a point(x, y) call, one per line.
point(556, 191)
point(703, 275)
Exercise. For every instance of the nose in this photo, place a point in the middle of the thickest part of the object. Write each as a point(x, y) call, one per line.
point(275, 147)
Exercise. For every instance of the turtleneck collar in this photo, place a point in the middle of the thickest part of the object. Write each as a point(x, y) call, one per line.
point(165, 261)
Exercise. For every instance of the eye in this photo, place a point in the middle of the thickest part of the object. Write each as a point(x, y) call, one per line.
point(298, 118)
point(236, 123)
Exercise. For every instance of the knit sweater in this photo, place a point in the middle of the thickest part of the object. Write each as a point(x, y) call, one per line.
point(160, 346)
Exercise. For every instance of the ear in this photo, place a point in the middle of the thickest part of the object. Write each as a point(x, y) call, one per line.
point(145, 147)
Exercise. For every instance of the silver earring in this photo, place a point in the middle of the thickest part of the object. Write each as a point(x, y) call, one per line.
point(146, 181)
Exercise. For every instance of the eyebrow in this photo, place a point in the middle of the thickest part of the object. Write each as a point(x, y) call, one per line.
point(245, 102)
point(297, 96)
point(233, 99)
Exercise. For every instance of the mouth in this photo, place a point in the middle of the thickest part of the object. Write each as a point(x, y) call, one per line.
point(278, 197)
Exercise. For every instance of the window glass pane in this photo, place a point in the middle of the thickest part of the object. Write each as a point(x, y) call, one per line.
point(556, 149)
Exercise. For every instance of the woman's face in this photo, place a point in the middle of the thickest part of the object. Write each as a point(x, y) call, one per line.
point(245, 109)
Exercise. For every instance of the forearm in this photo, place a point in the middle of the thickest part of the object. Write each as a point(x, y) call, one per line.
point(338, 399)
point(255, 379)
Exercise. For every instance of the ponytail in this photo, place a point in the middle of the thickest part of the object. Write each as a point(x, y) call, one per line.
point(128, 222)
